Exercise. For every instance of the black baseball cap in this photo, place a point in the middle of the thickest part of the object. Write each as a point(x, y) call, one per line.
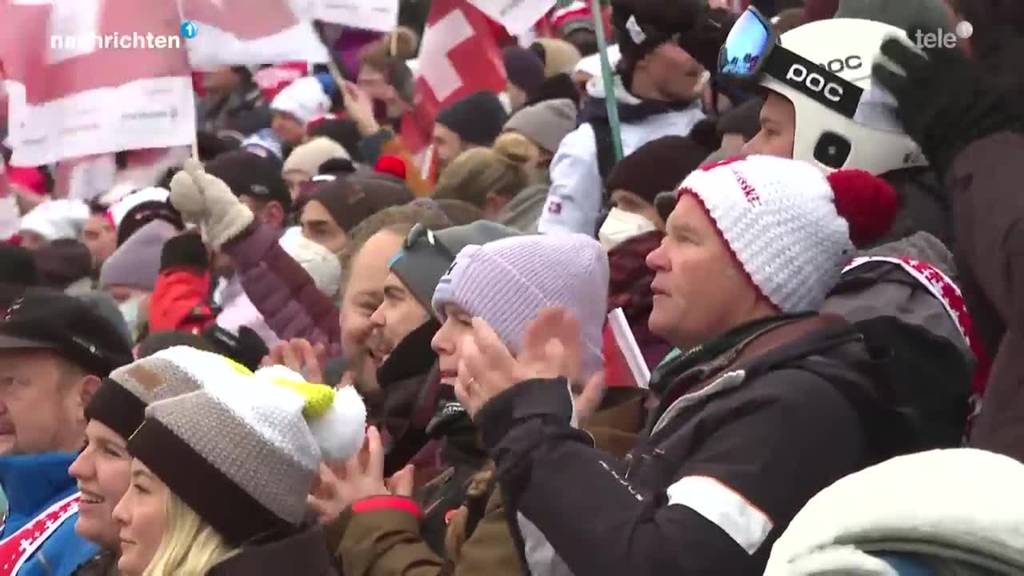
point(249, 174)
point(47, 320)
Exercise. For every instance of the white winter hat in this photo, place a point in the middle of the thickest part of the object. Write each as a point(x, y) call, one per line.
point(124, 205)
point(322, 265)
point(245, 457)
point(305, 99)
point(790, 227)
point(57, 219)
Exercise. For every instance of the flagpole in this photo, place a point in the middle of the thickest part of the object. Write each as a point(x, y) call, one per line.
point(610, 101)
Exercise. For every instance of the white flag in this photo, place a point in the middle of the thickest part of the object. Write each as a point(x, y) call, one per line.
point(517, 16)
point(380, 15)
point(251, 32)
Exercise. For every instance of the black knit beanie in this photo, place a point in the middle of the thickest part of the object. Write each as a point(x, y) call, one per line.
point(658, 166)
point(477, 118)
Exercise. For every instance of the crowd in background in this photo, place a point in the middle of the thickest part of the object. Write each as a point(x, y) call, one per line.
point(314, 348)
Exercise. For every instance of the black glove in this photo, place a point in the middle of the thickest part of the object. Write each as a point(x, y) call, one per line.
point(945, 101)
point(185, 250)
point(247, 348)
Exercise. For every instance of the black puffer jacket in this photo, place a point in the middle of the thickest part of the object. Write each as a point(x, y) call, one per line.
point(731, 454)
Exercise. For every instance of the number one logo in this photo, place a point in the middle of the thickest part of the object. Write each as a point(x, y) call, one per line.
point(189, 29)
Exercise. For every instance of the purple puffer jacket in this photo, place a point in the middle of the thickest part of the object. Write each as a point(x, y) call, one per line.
point(282, 290)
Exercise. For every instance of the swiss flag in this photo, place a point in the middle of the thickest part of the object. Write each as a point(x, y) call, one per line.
point(245, 19)
point(251, 32)
point(459, 56)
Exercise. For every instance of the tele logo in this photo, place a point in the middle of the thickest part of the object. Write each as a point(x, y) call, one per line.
point(943, 38)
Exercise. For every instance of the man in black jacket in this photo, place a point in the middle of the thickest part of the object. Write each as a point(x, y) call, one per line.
point(767, 411)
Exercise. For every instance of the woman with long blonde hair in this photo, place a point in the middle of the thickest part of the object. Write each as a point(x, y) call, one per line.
point(220, 478)
point(103, 466)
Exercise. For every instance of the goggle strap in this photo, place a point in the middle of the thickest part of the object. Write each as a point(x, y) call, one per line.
point(813, 81)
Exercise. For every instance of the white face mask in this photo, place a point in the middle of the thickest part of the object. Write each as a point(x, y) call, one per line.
point(130, 309)
point(620, 226)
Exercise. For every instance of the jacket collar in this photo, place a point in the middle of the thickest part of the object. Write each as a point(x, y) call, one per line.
point(708, 369)
point(633, 111)
point(301, 553)
point(31, 481)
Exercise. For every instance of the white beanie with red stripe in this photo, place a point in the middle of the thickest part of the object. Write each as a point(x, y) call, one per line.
point(790, 227)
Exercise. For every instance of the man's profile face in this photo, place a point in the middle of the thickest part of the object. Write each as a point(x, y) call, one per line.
point(41, 404)
point(778, 129)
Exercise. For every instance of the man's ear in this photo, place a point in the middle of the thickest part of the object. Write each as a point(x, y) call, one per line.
point(88, 386)
point(273, 214)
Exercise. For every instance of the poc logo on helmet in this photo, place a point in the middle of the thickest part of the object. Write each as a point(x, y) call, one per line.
point(815, 82)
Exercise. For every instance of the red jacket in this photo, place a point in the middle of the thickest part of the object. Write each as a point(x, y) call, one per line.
point(180, 301)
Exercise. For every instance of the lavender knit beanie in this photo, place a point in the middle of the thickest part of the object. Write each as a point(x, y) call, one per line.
point(508, 282)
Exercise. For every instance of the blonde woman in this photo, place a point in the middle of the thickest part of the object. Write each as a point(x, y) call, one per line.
point(220, 478)
point(103, 466)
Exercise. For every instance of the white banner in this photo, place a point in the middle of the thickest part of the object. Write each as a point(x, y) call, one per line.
point(148, 113)
point(379, 15)
point(251, 32)
point(517, 16)
point(88, 77)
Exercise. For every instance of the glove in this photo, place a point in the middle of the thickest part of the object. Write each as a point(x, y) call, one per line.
point(206, 200)
point(945, 101)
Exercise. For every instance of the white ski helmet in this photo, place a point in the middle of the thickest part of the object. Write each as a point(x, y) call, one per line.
point(849, 124)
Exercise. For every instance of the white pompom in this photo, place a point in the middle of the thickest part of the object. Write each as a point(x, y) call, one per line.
point(278, 372)
point(340, 432)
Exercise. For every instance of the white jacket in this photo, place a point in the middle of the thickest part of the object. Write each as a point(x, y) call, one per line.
point(574, 199)
point(953, 504)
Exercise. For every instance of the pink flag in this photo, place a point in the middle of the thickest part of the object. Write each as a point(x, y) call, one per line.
point(94, 76)
point(251, 32)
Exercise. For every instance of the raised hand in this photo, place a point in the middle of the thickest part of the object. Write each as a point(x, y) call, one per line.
point(301, 356)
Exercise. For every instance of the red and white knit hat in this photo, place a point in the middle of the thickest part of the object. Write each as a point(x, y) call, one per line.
point(791, 228)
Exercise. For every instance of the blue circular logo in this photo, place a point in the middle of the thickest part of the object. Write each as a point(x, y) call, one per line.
point(189, 29)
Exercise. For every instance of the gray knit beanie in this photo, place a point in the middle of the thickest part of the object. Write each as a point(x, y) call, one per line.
point(244, 455)
point(546, 123)
point(509, 282)
point(136, 263)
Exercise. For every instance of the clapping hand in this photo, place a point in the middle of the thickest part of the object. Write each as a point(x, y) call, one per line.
point(551, 348)
point(361, 476)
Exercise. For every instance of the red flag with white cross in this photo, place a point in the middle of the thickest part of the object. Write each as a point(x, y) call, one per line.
point(459, 56)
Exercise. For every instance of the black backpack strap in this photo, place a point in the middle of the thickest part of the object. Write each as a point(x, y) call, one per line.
point(813, 344)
